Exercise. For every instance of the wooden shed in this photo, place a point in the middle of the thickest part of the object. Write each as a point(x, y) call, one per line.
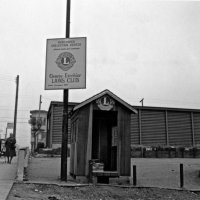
point(100, 130)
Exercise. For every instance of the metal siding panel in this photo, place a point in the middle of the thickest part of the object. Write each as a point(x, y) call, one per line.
point(197, 128)
point(134, 129)
point(57, 125)
point(153, 127)
point(180, 129)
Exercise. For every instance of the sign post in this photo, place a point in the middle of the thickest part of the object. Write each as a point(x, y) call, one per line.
point(64, 147)
point(65, 69)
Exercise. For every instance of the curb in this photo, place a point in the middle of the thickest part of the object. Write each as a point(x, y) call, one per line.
point(108, 185)
point(9, 190)
point(53, 183)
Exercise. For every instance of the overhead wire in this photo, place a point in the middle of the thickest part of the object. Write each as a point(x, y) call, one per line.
point(17, 121)
point(4, 77)
point(17, 118)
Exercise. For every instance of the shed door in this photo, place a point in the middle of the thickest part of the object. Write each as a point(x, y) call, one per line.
point(103, 146)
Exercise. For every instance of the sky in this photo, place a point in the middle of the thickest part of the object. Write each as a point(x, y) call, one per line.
point(136, 49)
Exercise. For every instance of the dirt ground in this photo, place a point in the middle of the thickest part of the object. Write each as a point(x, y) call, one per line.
point(21, 191)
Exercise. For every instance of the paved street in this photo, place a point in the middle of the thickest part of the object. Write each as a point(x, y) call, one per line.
point(7, 176)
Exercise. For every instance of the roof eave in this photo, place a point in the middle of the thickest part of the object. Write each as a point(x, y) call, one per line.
point(102, 94)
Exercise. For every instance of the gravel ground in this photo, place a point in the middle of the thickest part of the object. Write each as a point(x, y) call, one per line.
point(21, 191)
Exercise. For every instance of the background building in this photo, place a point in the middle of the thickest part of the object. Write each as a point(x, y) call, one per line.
point(54, 124)
point(165, 126)
point(38, 122)
point(9, 130)
point(150, 126)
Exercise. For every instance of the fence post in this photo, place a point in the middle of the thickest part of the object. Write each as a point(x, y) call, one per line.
point(90, 171)
point(134, 175)
point(181, 176)
point(20, 164)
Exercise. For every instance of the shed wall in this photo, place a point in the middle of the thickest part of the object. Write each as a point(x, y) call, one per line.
point(124, 141)
point(83, 120)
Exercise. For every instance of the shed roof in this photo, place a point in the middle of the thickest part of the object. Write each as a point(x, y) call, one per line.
point(108, 92)
point(37, 111)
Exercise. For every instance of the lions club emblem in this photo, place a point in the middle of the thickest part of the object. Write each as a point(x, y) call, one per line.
point(65, 61)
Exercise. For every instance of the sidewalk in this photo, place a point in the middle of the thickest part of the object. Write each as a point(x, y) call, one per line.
point(46, 170)
point(7, 176)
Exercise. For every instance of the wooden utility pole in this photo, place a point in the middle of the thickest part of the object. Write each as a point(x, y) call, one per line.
point(40, 102)
point(16, 104)
point(64, 150)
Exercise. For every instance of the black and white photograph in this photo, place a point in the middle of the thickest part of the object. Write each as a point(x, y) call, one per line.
point(100, 100)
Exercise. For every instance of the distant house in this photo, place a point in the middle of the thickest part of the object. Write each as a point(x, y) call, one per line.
point(38, 122)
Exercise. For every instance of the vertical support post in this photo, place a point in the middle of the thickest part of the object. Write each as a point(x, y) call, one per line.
point(181, 176)
point(40, 102)
point(89, 140)
point(90, 162)
point(6, 133)
point(64, 150)
point(166, 124)
point(193, 131)
point(140, 126)
point(134, 175)
point(16, 104)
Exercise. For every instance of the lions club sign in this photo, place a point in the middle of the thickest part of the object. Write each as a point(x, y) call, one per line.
point(65, 61)
point(65, 64)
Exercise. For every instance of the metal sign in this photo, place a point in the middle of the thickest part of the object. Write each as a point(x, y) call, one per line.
point(65, 64)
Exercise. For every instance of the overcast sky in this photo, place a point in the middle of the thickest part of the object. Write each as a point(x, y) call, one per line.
point(136, 49)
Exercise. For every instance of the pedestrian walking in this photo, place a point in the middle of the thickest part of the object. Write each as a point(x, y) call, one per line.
point(10, 148)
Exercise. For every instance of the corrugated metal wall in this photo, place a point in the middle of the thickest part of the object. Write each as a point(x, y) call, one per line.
point(135, 132)
point(164, 126)
point(180, 128)
point(196, 117)
point(153, 127)
point(57, 124)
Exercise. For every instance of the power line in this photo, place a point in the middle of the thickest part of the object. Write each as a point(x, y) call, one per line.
point(13, 110)
point(17, 121)
point(3, 78)
point(47, 99)
point(11, 118)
